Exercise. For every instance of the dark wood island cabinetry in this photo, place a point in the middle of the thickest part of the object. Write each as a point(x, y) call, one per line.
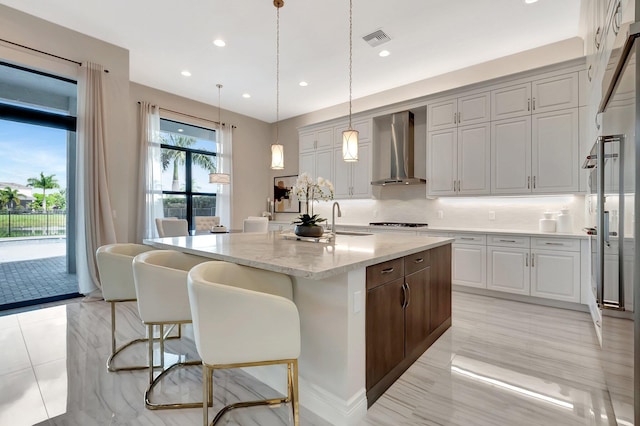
point(408, 308)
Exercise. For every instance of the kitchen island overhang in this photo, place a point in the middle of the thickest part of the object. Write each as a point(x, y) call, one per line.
point(330, 292)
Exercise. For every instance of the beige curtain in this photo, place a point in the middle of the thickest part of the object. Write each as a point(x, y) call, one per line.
point(149, 171)
point(94, 218)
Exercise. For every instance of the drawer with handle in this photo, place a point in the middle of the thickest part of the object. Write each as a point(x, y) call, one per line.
point(478, 239)
point(568, 244)
point(417, 261)
point(508, 241)
point(384, 272)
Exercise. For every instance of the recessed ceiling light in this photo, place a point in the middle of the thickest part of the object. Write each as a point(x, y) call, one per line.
point(186, 73)
point(220, 43)
point(303, 84)
point(181, 130)
point(384, 53)
point(530, 1)
point(246, 95)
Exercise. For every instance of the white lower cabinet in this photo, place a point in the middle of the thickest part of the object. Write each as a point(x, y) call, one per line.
point(469, 260)
point(555, 275)
point(542, 267)
point(508, 269)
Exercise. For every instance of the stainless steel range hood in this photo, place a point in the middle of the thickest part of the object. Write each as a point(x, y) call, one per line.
point(401, 152)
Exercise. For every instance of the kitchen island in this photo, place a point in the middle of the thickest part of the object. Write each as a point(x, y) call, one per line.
point(330, 291)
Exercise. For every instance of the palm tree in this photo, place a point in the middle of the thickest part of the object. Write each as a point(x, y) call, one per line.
point(43, 182)
point(179, 157)
point(8, 197)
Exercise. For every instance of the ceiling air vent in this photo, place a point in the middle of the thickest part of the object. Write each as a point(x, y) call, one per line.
point(376, 38)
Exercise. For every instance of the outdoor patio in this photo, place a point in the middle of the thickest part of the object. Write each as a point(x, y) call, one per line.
point(34, 269)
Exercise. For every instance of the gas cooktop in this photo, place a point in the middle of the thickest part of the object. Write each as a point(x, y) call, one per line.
point(399, 224)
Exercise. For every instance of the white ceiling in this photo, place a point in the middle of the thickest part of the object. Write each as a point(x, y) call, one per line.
point(428, 38)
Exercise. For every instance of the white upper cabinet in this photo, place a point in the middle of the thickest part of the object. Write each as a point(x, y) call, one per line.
point(353, 179)
point(470, 109)
point(511, 101)
point(442, 162)
point(317, 139)
point(554, 93)
point(555, 152)
point(316, 153)
point(548, 94)
point(458, 161)
point(511, 156)
point(474, 159)
point(536, 154)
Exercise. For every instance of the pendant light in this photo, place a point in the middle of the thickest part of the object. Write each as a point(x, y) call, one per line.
point(277, 150)
point(350, 136)
point(220, 178)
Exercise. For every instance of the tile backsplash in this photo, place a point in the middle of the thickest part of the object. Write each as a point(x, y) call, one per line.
point(409, 204)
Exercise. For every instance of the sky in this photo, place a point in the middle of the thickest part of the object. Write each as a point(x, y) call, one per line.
point(26, 150)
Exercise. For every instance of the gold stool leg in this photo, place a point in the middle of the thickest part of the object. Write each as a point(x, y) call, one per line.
point(114, 347)
point(206, 395)
point(294, 396)
point(150, 338)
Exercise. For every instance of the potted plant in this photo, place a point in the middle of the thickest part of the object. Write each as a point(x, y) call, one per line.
point(309, 190)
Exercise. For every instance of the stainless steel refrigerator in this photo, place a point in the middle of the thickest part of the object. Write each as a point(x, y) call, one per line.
point(612, 206)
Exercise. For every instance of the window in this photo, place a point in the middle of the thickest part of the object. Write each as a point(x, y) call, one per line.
point(189, 154)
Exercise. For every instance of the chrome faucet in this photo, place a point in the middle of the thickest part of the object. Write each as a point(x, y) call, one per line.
point(333, 216)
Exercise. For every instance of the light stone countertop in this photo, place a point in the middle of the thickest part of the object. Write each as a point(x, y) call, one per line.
point(272, 252)
point(453, 229)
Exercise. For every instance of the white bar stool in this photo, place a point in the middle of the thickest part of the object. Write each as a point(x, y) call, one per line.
point(161, 286)
point(244, 317)
point(116, 276)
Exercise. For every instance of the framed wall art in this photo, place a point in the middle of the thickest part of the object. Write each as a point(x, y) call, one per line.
point(284, 200)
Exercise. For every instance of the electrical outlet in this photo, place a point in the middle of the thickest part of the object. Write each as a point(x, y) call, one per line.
point(492, 215)
point(440, 214)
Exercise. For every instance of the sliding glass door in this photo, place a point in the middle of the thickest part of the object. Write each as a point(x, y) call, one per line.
point(37, 164)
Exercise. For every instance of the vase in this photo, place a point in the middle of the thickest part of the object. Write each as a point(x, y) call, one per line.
point(308, 230)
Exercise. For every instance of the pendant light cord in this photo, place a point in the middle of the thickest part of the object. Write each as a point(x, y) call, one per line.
point(350, 55)
point(277, 72)
point(219, 86)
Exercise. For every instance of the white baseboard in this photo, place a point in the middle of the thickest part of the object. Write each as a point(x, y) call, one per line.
point(325, 404)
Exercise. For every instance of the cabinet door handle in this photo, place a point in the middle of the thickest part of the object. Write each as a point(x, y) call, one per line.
point(387, 271)
point(596, 42)
point(589, 72)
point(458, 186)
point(534, 104)
point(528, 182)
point(459, 117)
point(467, 238)
point(419, 260)
point(534, 182)
point(529, 104)
point(455, 118)
point(404, 296)
point(408, 295)
point(526, 260)
point(508, 241)
point(554, 244)
point(532, 260)
point(617, 17)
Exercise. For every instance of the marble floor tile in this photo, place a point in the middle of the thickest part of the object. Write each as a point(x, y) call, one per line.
point(501, 363)
point(20, 400)
point(13, 353)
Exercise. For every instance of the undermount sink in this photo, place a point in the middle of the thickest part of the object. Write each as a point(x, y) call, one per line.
point(354, 234)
